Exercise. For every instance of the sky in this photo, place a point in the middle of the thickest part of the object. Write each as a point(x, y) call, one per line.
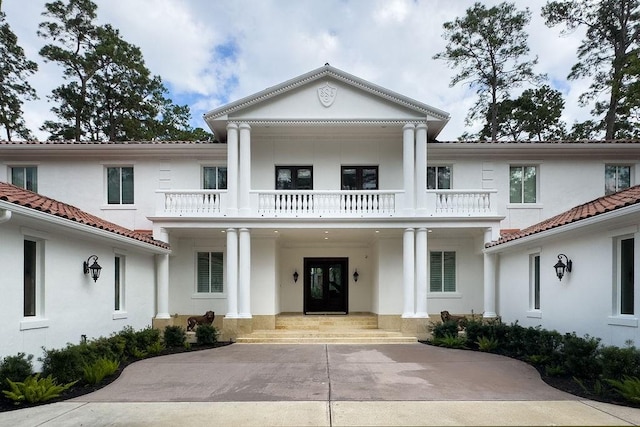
point(211, 52)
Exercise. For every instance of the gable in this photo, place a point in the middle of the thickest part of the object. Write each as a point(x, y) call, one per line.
point(326, 95)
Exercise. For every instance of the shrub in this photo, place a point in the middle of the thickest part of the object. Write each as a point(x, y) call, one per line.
point(35, 389)
point(554, 370)
point(15, 368)
point(66, 365)
point(450, 341)
point(155, 348)
point(628, 387)
point(618, 362)
point(98, 370)
point(487, 344)
point(108, 348)
point(174, 336)
point(580, 356)
point(206, 334)
point(148, 337)
point(443, 329)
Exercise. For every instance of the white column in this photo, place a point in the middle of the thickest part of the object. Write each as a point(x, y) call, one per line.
point(421, 167)
point(244, 275)
point(232, 273)
point(232, 169)
point(162, 278)
point(489, 279)
point(421, 273)
point(408, 166)
point(408, 272)
point(245, 168)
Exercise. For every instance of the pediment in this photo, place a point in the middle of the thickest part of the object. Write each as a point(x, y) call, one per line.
point(327, 95)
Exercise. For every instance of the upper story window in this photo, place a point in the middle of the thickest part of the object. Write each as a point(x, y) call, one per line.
point(210, 272)
point(438, 177)
point(523, 184)
point(120, 185)
point(25, 177)
point(616, 178)
point(359, 178)
point(294, 177)
point(214, 178)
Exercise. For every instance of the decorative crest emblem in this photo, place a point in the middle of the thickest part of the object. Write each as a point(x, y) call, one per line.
point(327, 94)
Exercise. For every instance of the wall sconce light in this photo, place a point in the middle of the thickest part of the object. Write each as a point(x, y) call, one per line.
point(295, 276)
point(355, 276)
point(93, 268)
point(562, 266)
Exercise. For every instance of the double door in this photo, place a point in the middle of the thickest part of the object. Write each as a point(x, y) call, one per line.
point(326, 285)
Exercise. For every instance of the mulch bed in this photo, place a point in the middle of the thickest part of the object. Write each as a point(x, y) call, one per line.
point(82, 389)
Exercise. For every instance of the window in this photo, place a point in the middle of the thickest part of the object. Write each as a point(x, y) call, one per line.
point(438, 177)
point(210, 272)
point(534, 281)
point(31, 278)
point(616, 178)
point(442, 271)
point(25, 177)
point(522, 184)
point(294, 178)
point(118, 290)
point(120, 185)
point(625, 285)
point(214, 178)
point(359, 177)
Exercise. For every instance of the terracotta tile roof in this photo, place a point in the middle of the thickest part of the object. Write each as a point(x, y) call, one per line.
point(29, 199)
point(599, 206)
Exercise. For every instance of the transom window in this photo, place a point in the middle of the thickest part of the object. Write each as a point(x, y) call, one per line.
point(210, 272)
point(438, 177)
point(25, 177)
point(214, 178)
point(294, 177)
point(359, 178)
point(616, 178)
point(442, 271)
point(522, 184)
point(120, 185)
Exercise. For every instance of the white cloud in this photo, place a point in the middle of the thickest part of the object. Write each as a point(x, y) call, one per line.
point(390, 43)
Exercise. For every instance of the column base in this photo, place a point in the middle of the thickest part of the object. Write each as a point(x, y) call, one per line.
point(489, 315)
point(234, 327)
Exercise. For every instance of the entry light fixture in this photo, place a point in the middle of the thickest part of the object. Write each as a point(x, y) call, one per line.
point(355, 275)
point(561, 267)
point(295, 276)
point(93, 268)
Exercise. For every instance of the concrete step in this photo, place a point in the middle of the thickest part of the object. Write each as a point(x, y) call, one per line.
point(326, 322)
point(325, 339)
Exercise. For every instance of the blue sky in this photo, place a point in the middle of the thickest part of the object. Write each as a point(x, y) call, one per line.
point(209, 53)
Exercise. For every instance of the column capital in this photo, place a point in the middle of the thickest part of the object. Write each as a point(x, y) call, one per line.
point(408, 126)
point(232, 126)
point(421, 126)
point(244, 125)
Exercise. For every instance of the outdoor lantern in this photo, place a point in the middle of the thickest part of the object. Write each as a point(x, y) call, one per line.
point(93, 268)
point(562, 266)
point(295, 276)
point(355, 276)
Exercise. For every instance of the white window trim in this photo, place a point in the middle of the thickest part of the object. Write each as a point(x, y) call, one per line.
point(534, 312)
point(209, 295)
point(121, 313)
point(210, 165)
point(39, 320)
point(440, 165)
point(618, 318)
point(537, 204)
point(105, 178)
point(630, 165)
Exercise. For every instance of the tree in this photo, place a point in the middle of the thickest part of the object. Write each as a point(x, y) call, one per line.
point(14, 87)
point(609, 46)
point(488, 47)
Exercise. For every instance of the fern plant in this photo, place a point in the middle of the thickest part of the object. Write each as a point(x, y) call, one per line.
point(100, 369)
point(35, 389)
point(450, 341)
point(628, 387)
point(487, 344)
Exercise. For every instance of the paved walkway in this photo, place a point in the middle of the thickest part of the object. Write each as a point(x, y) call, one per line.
point(326, 385)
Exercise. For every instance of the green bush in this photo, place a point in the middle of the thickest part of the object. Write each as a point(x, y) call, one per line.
point(98, 370)
point(174, 336)
point(487, 344)
point(66, 365)
point(628, 387)
point(580, 356)
point(206, 334)
point(450, 341)
point(443, 329)
point(15, 368)
point(35, 389)
point(108, 348)
point(148, 337)
point(155, 348)
point(618, 363)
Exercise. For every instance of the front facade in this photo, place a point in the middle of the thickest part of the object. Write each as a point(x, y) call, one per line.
point(324, 194)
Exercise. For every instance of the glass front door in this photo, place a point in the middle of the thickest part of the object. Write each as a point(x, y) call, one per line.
point(325, 285)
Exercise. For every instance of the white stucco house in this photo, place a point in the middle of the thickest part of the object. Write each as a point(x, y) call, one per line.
point(330, 194)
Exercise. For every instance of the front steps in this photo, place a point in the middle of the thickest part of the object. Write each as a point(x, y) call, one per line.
point(326, 329)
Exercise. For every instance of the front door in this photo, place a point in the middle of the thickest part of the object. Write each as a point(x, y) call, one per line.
point(325, 285)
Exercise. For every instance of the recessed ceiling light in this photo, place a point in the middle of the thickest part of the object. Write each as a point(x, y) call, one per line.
point(326, 238)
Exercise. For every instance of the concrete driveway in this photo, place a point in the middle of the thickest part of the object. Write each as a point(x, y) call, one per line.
point(262, 384)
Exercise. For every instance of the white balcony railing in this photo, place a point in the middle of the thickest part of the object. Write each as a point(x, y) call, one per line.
point(334, 204)
point(326, 203)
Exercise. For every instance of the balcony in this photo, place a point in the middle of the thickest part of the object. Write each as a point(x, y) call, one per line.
point(326, 204)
